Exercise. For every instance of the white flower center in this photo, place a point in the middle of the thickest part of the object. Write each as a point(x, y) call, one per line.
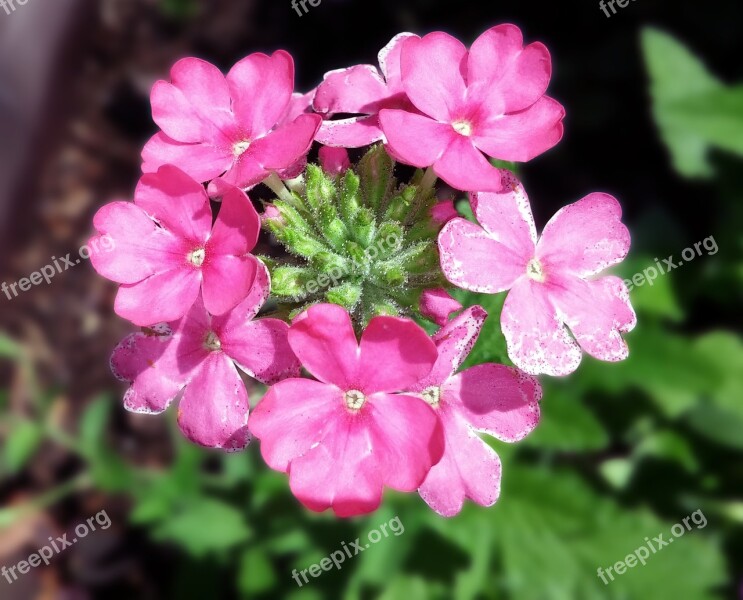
point(240, 148)
point(462, 127)
point(354, 399)
point(211, 342)
point(432, 395)
point(196, 257)
point(535, 271)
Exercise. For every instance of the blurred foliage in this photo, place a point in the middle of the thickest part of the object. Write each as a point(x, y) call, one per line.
point(623, 452)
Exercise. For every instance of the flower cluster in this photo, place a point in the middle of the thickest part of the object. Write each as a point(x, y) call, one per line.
point(360, 397)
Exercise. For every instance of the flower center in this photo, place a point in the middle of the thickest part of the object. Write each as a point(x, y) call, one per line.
point(354, 399)
point(240, 148)
point(211, 342)
point(432, 395)
point(196, 257)
point(462, 127)
point(535, 271)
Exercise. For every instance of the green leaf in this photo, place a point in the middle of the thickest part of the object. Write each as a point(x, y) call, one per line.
point(20, 445)
point(9, 348)
point(257, 574)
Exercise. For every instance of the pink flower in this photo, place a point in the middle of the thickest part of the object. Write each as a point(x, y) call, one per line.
point(551, 282)
point(494, 399)
point(334, 161)
point(364, 91)
point(438, 305)
point(345, 436)
point(200, 354)
point(166, 248)
point(490, 99)
point(245, 125)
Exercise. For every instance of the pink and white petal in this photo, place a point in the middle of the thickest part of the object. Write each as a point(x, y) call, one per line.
point(342, 472)
point(585, 237)
point(138, 248)
point(163, 297)
point(438, 305)
point(237, 226)
point(389, 62)
point(353, 132)
point(394, 354)
point(214, 409)
point(145, 362)
point(536, 338)
point(454, 342)
point(597, 312)
point(203, 162)
point(298, 105)
point(506, 216)
point(407, 439)
point(324, 341)
point(498, 400)
point(261, 87)
point(206, 89)
point(177, 202)
point(286, 144)
point(472, 260)
point(358, 89)
point(174, 114)
point(464, 167)
point(404, 132)
point(433, 74)
point(294, 416)
point(231, 322)
point(521, 136)
point(261, 349)
point(501, 70)
point(228, 280)
point(469, 469)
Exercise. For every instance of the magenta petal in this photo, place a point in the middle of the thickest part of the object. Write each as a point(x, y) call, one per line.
point(201, 161)
point(469, 469)
point(237, 226)
point(245, 173)
point(495, 399)
point(177, 202)
point(537, 340)
point(250, 306)
point(473, 260)
point(353, 132)
point(261, 349)
point(437, 305)
point(298, 105)
point(214, 409)
point(585, 237)
point(227, 281)
point(522, 135)
point(261, 87)
point(389, 62)
point(288, 143)
point(163, 297)
point(464, 167)
point(334, 161)
point(354, 90)
point(432, 74)
point(174, 114)
point(206, 89)
point(404, 132)
point(292, 417)
point(324, 341)
point(597, 312)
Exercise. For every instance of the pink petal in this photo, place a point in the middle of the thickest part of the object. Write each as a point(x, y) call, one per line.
point(292, 417)
point(163, 297)
point(597, 312)
point(586, 237)
point(247, 309)
point(521, 136)
point(325, 343)
point(261, 349)
point(444, 212)
point(495, 399)
point(473, 260)
point(469, 469)
point(245, 173)
point(144, 361)
point(537, 340)
point(298, 105)
point(261, 87)
point(354, 132)
point(334, 161)
point(437, 305)
point(395, 353)
point(201, 161)
point(177, 202)
point(404, 132)
point(227, 281)
point(206, 89)
point(464, 167)
point(237, 226)
point(389, 62)
point(214, 409)
point(175, 115)
point(500, 66)
point(432, 73)
point(287, 144)
point(357, 89)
